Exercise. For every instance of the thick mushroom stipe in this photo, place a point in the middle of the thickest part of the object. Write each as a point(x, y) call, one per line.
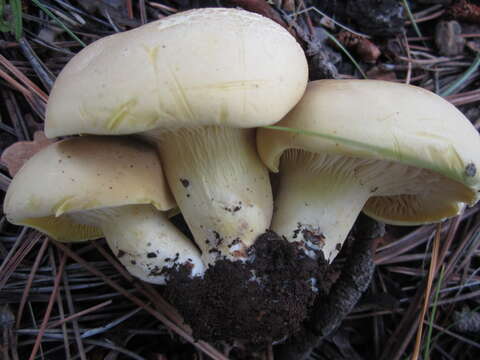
point(221, 186)
point(321, 195)
point(92, 187)
point(144, 241)
point(224, 70)
point(401, 153)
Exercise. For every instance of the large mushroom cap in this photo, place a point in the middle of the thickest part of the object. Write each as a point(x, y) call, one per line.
point(208, 66)
point(84, 173)
point(390, 122)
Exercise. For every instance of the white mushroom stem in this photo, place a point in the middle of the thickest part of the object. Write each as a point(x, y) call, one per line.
point(221, 187)
point(144, 241)
point(320, 196)
point(317, 211)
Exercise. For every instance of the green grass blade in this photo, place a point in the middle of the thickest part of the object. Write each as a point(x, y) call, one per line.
point(464, 77)
point(57, 20)
point(346, 52)
point(428, 341)
point(412, 18)
point(17, 25)
point(4, 26)
point(374, 151)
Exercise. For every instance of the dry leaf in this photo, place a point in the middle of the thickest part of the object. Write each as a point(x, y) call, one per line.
point(366, 49)
point(464, 11)
point(378, 73)
point(17, 154)
point(263, 8)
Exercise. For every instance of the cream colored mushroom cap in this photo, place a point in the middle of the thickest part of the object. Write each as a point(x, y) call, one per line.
point(386, 121)
point(209, 66)
point(84, 173)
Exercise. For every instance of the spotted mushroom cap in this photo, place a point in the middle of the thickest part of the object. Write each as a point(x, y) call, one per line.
point(84, 173)
point(393, 122)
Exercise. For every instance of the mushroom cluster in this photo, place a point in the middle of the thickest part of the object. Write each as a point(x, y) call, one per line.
point(195, 84)
point(400, 153)
point(92, 187)
point(193, 89)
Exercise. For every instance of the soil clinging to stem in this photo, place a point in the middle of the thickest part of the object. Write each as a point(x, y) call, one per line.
point(258, 301)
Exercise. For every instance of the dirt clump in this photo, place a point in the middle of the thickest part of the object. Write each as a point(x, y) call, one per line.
point(261, 300)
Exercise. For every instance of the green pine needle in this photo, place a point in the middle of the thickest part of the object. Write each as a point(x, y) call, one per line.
point(60, 23)
point(428, 341)
point(464, 77)
point(412, 18)
point(17, 23)
point(346, 52)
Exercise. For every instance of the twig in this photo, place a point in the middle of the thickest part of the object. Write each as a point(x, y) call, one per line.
point(143, 11)
point(328, 314)
point(129, 9)
point(31, 276)
point(459, 82)
point(431, 275)
point(71, 307)
point(30, 84)
point(45, 76)
point(144, 288)
point(14, 258)
point(409, 56)
point(79, 314)
point(61, 24)
point(53, 296)
point(457, 336)
point(61, 311)
point(209, 350)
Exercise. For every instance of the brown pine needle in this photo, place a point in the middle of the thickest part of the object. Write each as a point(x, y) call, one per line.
point(431, 276)
point(31, 276)
point(51, 301)
point(208, 349)
point(25, 80)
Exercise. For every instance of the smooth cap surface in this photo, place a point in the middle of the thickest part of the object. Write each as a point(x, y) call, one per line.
point(209, 66)
point(385, 121)
point(84, 173)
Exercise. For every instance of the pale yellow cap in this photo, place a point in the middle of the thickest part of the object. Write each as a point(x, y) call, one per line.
point(386, 121)
point(84, 173)
point(211, 66)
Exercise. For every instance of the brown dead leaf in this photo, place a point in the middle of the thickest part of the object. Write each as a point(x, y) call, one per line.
point(288, 5)
point(464, 10)
point(17, 154)
point(263, 8)
point(378, 73)
point(366, 49)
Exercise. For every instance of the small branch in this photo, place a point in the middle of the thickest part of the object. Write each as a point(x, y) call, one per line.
point(344, 295)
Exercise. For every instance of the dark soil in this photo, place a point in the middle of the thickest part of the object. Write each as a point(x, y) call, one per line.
point(259, 301)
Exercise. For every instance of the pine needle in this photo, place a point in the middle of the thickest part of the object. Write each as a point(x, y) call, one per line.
point(59, 22)
point(428, 341)
point(431, 276)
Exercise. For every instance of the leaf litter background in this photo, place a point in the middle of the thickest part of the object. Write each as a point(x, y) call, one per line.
point(76, 302)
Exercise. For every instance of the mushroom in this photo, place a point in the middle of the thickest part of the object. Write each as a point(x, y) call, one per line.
point(196, 84)
point(89, 187)
point(401, 153)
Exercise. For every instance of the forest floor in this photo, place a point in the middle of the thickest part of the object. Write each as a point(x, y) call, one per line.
point(77, 302)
